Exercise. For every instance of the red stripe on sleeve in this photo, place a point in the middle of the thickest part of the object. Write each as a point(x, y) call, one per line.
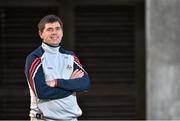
point(77, 60)
point(33, 67)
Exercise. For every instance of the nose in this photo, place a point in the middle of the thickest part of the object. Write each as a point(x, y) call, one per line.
point(54, 31)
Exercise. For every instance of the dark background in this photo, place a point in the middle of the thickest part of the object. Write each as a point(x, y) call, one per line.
point(108, 36)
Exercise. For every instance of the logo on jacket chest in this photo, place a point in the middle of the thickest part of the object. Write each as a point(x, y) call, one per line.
point(50, 68)
point(68, 67)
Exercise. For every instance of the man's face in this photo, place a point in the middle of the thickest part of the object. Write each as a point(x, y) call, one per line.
point(52, 33)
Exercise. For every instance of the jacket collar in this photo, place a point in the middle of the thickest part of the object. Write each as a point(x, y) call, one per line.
point(49, 48)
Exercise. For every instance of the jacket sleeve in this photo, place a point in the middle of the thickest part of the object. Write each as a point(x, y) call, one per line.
point(78, 84)
point(36, 80)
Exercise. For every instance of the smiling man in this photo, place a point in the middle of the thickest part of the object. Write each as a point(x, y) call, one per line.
point(54, 75)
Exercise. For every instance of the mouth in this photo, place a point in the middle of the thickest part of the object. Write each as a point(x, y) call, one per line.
point(54, 37)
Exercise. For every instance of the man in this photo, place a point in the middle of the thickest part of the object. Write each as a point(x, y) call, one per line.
point(54, 76)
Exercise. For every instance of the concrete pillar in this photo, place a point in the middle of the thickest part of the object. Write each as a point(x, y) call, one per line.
point(163, 59)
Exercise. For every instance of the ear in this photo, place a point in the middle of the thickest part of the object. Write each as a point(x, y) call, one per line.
point(40, 34)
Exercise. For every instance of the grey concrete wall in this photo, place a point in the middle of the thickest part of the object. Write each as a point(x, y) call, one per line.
point(163, 59)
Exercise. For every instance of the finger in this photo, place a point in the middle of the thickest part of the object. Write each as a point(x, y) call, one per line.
point(74, 72)
point(51, 83)
point(79, 74)
point(48, 83)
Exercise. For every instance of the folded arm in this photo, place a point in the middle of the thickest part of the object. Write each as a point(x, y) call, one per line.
point(78, 82)
point(36, 80)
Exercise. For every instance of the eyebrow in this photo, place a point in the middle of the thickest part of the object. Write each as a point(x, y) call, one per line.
point(52, 27)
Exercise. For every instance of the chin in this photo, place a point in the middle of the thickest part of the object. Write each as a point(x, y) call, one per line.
point(55, 44)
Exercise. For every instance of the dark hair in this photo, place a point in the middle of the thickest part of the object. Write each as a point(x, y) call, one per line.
point(49, 19)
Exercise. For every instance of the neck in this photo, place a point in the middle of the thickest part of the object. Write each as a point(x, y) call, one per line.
point(51, 45)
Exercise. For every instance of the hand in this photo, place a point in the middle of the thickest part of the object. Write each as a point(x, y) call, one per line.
point(51, 83)
point(77, 74)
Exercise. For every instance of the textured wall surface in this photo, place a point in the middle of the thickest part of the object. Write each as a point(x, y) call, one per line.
point(163, 59)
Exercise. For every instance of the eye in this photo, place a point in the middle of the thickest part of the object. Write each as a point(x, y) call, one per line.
point(58, 28)
point(49, 29)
